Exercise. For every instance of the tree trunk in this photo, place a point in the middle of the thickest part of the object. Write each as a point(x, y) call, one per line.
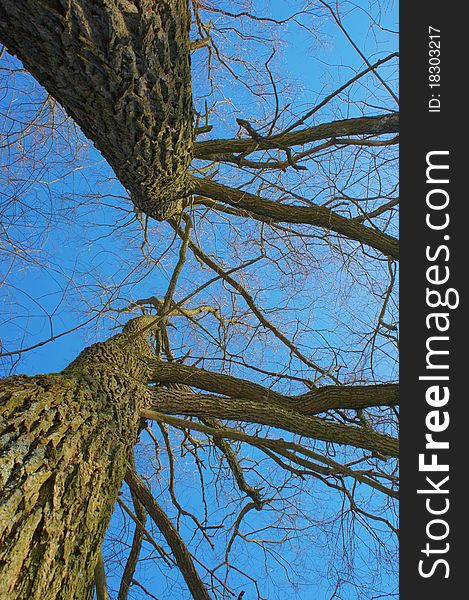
point(65, 443)
point(121, 70)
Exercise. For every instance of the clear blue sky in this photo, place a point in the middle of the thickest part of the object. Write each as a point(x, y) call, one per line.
point(97, 245)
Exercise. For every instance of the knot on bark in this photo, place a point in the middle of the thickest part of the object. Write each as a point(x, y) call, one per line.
point(164, 198)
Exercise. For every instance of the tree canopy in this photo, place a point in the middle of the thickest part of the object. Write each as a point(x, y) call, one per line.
point(205, 195)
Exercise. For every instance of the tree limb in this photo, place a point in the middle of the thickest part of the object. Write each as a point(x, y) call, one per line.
point(319, 216)
point(377, 125)
point(273, 414)
point(132, 559)
point(290, 450)
point(171, 534)
point(320, 399)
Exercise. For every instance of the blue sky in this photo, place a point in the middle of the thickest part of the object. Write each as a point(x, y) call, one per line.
point(91, 248)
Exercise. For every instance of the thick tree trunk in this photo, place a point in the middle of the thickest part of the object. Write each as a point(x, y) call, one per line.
point(65, 442)
point(121, 69)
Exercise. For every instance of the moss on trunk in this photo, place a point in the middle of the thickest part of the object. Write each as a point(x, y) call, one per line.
point(121, 70)
point(65, 444)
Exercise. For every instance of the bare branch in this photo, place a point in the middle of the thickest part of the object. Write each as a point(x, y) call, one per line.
point(273, 414)
point(319, 216)
point(171, 534)
point(319, 399)
point(291, 450)
point(377, 125)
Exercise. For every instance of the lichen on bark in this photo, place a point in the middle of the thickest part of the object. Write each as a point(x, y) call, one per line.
point(65, 444)
point(121, 70)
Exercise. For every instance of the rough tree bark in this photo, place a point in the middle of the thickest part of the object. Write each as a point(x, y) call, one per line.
point(121, 70)
point(66, 440)
point(65, 443)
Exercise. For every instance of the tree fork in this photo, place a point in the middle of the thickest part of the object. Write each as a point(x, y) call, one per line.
point(121, 70)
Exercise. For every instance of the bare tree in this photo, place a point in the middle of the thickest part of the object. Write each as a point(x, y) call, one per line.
point(247, 409)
